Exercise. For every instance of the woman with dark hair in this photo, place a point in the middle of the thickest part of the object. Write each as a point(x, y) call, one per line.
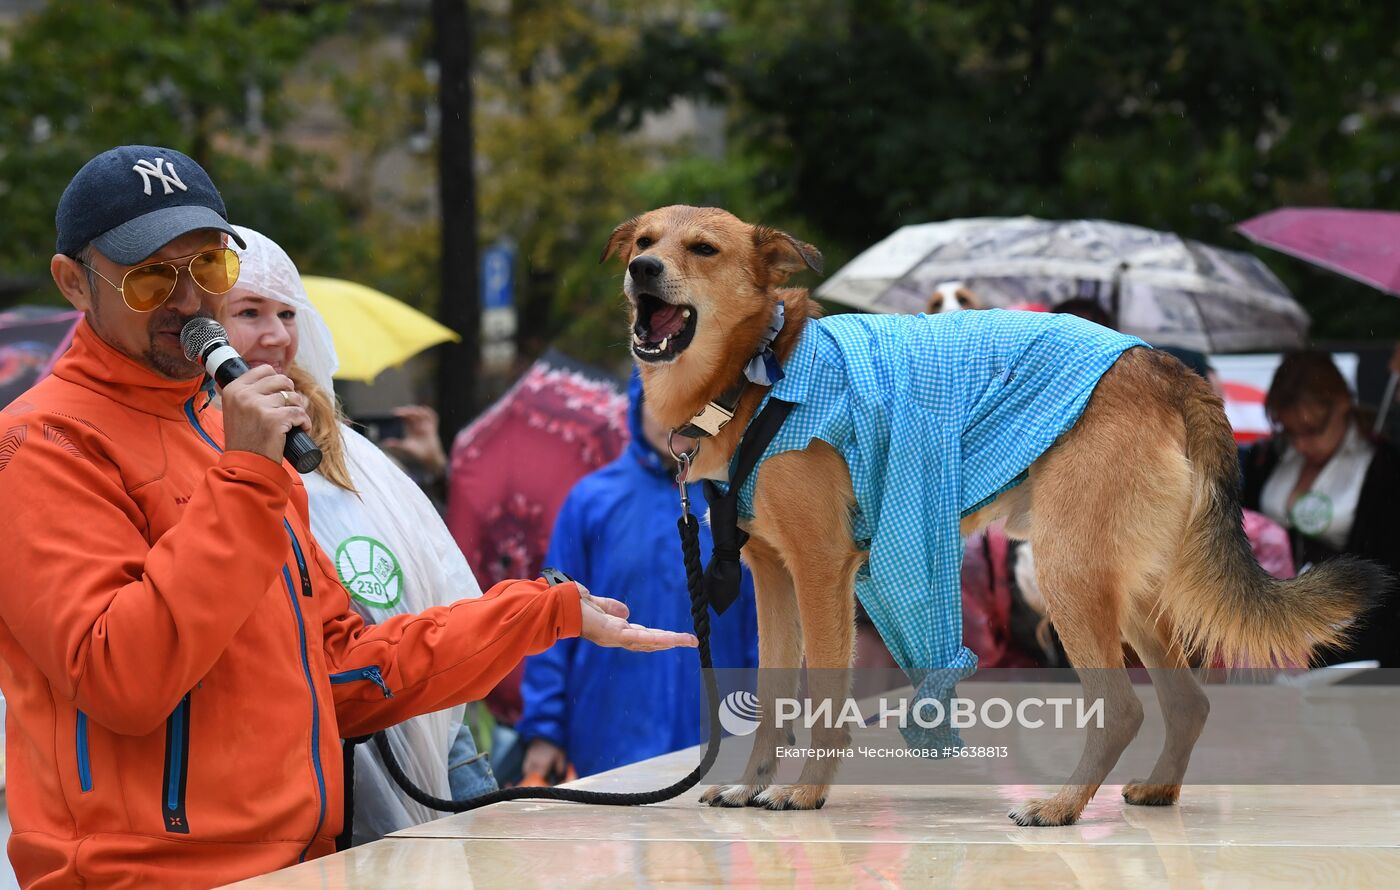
point(1335, 489)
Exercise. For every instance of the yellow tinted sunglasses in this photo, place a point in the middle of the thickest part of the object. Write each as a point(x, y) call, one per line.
point(146, 287)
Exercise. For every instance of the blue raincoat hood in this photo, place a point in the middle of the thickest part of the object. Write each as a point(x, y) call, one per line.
point(638, 448)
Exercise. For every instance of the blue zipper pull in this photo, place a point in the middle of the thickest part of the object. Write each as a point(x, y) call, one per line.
point(372, 674)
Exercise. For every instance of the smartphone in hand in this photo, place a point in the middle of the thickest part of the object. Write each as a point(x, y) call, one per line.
point(379, 427)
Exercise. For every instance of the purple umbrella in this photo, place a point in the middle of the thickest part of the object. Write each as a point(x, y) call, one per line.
point(1360, 244)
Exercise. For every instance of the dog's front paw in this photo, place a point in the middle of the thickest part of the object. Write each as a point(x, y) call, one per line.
point(1044, 813)
point(792, 797)
point(731, 795)
point(1144, 794)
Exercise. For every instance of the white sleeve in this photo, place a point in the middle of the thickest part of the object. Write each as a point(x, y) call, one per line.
point(396, 505)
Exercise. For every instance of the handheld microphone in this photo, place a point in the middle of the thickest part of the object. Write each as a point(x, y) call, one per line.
point(206, 342)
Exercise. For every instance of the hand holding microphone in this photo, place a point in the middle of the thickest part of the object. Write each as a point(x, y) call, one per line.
point(262, 412)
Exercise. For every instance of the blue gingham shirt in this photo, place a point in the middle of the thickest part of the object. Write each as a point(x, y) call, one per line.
point(935, 416)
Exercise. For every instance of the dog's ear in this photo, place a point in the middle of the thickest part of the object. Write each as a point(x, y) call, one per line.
point(620, 240)
point(783, 254)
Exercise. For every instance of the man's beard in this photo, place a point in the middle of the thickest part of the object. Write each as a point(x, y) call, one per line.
point(172, 364)
point(169, 364)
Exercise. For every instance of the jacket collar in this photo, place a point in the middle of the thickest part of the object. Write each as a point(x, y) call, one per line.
point(94, 365)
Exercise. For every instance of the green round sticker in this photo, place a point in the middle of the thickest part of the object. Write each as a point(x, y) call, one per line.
point(1312, 513)
point(370, 571)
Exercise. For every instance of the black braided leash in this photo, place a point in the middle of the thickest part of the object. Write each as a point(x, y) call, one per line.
point(700, 616)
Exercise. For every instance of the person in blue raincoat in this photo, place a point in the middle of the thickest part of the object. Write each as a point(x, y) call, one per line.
point(603, 708)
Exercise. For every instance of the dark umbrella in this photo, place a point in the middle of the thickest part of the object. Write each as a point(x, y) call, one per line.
point(31, 340)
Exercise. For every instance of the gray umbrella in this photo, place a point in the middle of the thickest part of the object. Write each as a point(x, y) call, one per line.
point(1164, 288)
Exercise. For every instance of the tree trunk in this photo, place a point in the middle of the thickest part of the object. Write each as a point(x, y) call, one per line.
point(459, 305)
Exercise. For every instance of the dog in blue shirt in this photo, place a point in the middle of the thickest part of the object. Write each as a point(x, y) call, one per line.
point(906, 433)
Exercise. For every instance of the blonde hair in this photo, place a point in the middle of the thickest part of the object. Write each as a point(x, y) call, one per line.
point(326, 418)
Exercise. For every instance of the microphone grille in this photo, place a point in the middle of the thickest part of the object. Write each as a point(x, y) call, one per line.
point(198, 334)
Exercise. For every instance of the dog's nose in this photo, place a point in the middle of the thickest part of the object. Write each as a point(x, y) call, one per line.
point(646, 268)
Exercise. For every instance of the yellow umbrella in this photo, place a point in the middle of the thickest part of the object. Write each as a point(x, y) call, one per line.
point(372, 330)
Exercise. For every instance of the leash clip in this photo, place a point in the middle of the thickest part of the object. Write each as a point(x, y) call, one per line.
point(683, 464)
point(685, 493)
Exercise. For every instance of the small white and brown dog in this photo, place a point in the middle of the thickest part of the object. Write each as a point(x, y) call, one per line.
point(951, 296)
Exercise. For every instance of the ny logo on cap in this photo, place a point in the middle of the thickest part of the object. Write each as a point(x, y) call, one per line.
point(162, 170)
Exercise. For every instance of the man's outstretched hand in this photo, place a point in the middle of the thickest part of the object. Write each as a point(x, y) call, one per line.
point(605, 623)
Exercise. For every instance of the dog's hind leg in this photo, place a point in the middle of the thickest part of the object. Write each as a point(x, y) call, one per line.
point(1082, 600)
point(1087, 558)
point(1184, 705)
point(1111, 499)
point(779, 658)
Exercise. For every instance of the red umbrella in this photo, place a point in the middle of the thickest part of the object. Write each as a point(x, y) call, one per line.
point(1361, 244)
point(512, 468)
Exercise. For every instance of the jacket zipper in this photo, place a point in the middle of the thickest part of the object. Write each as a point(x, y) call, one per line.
point(301, 636)
point(301, 562)
point(370, 673)
point(84, 765)
point(177, 767)
point(315, 708)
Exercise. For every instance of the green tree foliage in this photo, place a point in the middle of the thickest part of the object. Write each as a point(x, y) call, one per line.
point(80, 76)
point(553, 176)
point(864, 116)
point(846, 119)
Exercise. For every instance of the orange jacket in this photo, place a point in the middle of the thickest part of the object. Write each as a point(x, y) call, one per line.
point(178, 656)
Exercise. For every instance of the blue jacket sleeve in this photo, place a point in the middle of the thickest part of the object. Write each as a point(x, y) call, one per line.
point(544, 689)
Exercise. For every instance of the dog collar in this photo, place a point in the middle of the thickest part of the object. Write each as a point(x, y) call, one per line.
point(716, 414)
point(763, 368)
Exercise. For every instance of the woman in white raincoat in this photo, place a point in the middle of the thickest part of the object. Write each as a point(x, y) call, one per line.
point(391, 547)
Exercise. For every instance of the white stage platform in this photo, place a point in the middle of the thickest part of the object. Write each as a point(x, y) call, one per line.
point(951, 836)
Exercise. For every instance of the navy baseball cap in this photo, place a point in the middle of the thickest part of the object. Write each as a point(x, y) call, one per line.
point(131, 201)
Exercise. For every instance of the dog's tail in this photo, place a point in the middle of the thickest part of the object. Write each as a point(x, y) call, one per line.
point(1220, 601)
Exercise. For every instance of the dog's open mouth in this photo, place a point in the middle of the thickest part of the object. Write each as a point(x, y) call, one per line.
point(662, 330)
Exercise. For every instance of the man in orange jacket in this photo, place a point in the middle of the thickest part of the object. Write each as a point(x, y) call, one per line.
point(179, 658)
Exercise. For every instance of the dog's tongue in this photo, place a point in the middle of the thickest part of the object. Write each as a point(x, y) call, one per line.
point(666, 322)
